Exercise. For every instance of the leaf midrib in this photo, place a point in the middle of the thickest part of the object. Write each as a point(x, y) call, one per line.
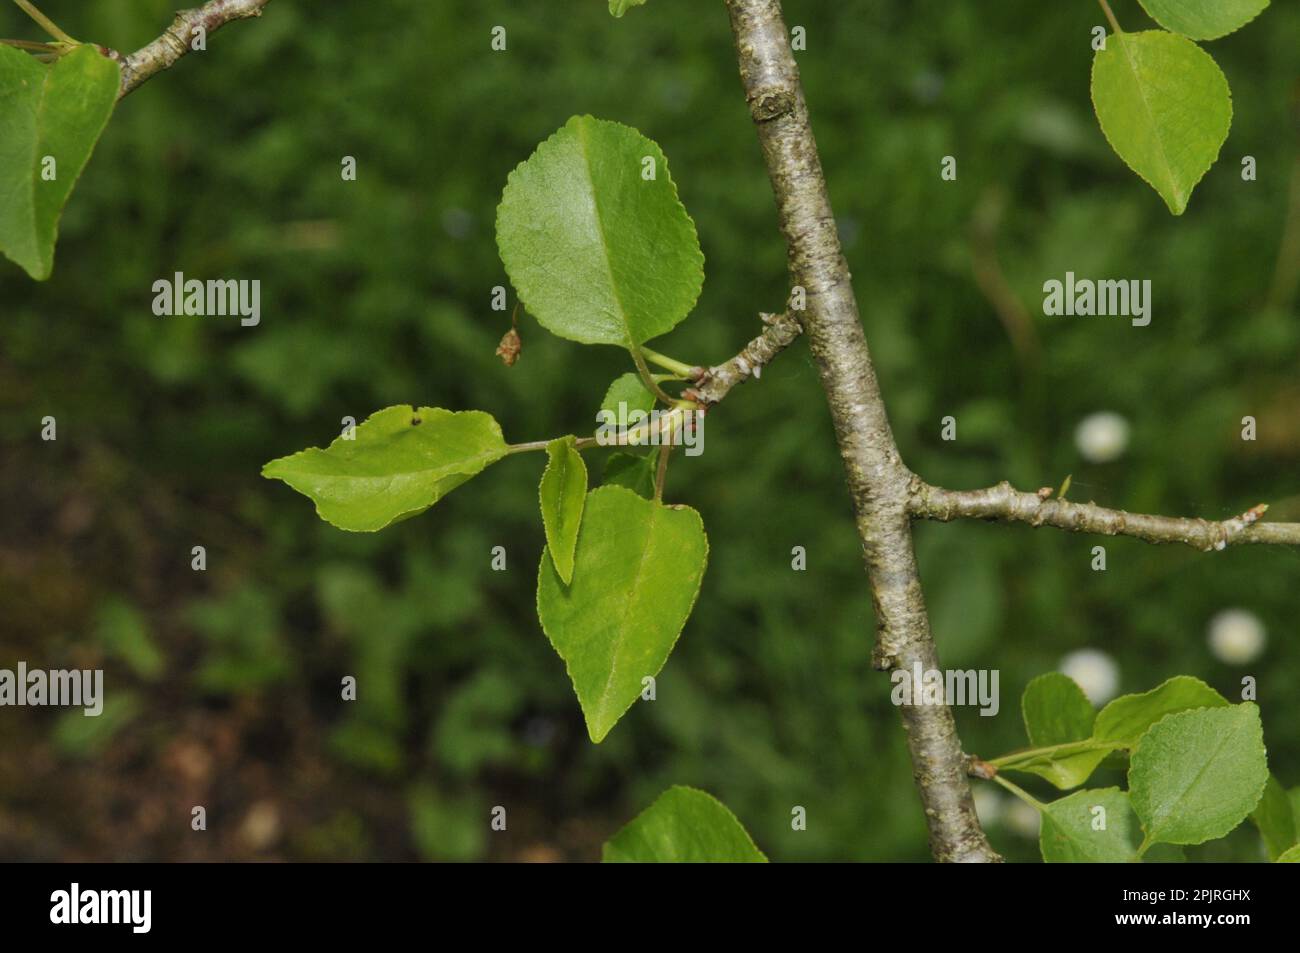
point(600, 229)
point(621, 628)
point(1177, 801)
point(1146, 106)
point(459, 466)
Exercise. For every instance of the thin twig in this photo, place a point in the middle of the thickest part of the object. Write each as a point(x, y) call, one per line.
point(175, 41)
point(661, 473)
point(647, 378)
point(31, 46)
point(1110, 15)
point(715, 382)
point(1003, 502)
point(45, 23)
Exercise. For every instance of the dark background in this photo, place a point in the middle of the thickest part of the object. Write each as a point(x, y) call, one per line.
point(223, 685)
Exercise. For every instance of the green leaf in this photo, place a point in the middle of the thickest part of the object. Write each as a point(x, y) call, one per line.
point(563, 493)
point(57, 111)
point(636, 574)
point(620, 7)
point(1055, 710)
point(599, 253)
point(683, 826)
point(1203, 19)
point(1128, 717)
point(1275, 820)
point(1164, 106)
point(400, 462)
point(636, 471)
point(1064, 769)
point(1197, 774)
point(1089, 827)
point(629, 391)
point(1291, 856)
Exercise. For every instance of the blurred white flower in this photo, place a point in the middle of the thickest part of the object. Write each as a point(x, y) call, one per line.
point(1102, 437)
point(1237, 636)
point(1022, 819)
point(990, 803)
point(1095, 671)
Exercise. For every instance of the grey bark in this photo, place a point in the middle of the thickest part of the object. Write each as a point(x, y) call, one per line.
point(176, 40)
point(1003, 502)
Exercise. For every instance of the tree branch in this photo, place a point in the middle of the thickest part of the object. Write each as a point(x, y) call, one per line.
point(1004, 502)
point(175, 41)
point(715, 383)
point(878, 481)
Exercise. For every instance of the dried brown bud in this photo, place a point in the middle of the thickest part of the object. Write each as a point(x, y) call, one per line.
point(509, 348)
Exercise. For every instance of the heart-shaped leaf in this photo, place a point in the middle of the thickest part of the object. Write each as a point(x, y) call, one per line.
point(594, 238)
point(1164, 106)
point(1203, 19)
point(1196, 775)
point(636, 574)
point(51, 116)
point(398, 462)
point(1089, 827)
point(563, 493)
point(683, 826)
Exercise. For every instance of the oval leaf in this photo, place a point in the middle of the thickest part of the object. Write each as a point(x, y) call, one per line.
point(1291, 856)
point(1089, 827)
point(599, 252)
point(1203, 19)
point(683, 826)
point(563, 493)
point(400, 462)
point(55, 114)
point(1128, 717)
point(1197, 774)
point(636, 574)
point(1164, 106)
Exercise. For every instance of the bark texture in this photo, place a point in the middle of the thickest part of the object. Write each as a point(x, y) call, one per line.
point(878, 482)
point(175, 41)
point(1004, 502)
point(715, 383)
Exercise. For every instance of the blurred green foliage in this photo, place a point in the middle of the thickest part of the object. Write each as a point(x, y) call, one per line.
point(225, 684)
